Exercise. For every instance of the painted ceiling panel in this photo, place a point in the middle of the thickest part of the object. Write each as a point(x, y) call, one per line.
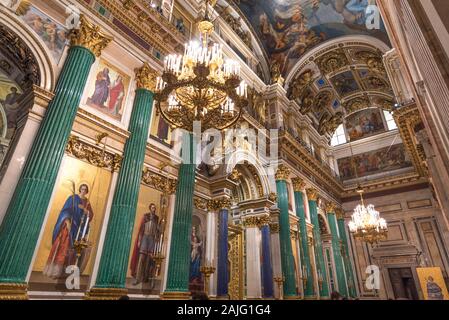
point(289, 28)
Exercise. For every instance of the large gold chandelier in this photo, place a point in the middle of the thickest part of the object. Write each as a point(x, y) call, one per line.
point(366, 223)
point(201, 85)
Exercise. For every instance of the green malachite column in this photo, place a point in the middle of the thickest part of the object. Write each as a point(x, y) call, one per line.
point(298, 187)
point(21, 226)
point(346, 258)
point(338, 260)
point(111, 278)
point(177, 286)
point(287, 260)
point(312, 196)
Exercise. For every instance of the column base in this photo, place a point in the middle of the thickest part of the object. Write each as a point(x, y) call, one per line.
point(13, 291)
point(168, 295)
point(105, 293)
point(292, 298)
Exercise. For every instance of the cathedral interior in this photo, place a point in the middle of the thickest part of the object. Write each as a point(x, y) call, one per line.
point(241, 149)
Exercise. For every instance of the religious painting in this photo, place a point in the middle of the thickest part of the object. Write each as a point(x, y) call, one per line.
point(148, 242)
point(374, 162)
point(345, 83)
point(289, 28)
point(364, 124)
point(160, 130)
point(432, 284)
point(52, 33)
point(10, 94)
point(76, 217)
point(197, 251)
point(108, 89)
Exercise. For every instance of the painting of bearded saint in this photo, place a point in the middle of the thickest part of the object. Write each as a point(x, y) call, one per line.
point(72, 225)
point(143, 266)
point(107, 92)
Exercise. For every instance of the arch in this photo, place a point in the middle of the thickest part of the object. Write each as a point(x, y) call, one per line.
point(362, 40)
point(240, 156)
point(38, 49)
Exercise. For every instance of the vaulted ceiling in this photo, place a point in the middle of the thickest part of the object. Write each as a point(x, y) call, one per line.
point(338, 81)
point(288, 29)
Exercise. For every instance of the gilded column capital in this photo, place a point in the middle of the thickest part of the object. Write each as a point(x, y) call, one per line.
point(282, 173)
point(298, 184)
point(340, 213)
point(274, 227)
point(146, 77)
point(251, 222)
point(224, 203)
point(90, 37)
point(312, 194)
point(330, 208)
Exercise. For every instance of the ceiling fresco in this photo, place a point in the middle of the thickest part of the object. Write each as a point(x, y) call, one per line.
point(289, 28)
point(339, 81)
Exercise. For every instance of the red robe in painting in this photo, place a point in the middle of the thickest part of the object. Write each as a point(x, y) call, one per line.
point(116, 96)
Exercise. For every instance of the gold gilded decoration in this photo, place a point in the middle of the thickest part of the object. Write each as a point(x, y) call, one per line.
point(330, 208)
point(356, 104)
point(13, 291)
point(251, 222)
point(163, 184)
point(257, 180)
point(274, 227)
point(236, 260)
point(408, 118)
point(329, 123)
point(312, 194)
point(23, 7)
point(93, 155)
point(128, 4)
point(299, 84)
point(90, 37)
point(340, 213)
point(282, 173)
point(332, 61)
point(372, 59)
point(225, 203)
point(105, 294)
point(201, 204)
point(298, 184)
point(146, 77)
point(273, 197)
point(235, 175)
point(176, 296)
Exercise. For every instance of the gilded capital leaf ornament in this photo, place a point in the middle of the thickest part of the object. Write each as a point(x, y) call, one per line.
point(146, 77)
point(282, 173)
point(330, 208)
point(312, 194)
point(298, 184)
point(90, 37)
point(340, 213)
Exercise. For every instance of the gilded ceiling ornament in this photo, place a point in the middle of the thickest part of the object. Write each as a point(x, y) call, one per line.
point(23, 7)
point(306, 103)
point(93, 155)
point(155, 181)
point(356, 104)
point(299, 84)
point(312, 194)
point(332, 61)
point(330, 208)
point(372, 59)
point(298, 184)
point(329, 123)
point(90, 37)
point(146, 77)
point(257, 180)
point(322, 100)
point(128, 4)
point(282, 173)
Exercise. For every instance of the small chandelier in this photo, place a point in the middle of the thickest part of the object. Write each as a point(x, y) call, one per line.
point(366, 223)
point(201, 85)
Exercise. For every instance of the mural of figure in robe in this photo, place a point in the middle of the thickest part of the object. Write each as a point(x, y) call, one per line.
point(196, 255)
point(72, 225)
point(434, 291)
point(147, 244)
point(102, 85)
